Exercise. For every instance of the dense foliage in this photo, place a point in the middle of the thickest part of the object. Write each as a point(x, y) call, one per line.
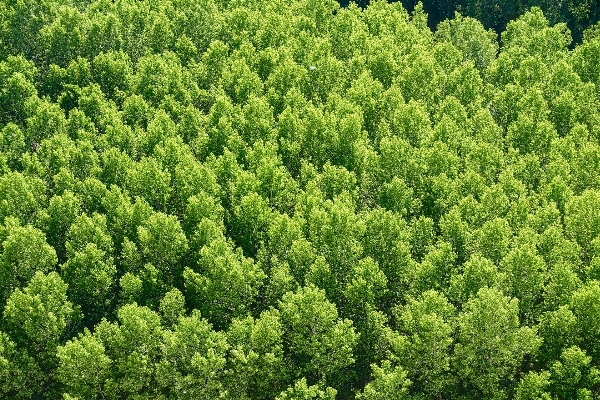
point(206, 199)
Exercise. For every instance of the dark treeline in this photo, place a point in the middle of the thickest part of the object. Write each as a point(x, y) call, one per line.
point(577, 14)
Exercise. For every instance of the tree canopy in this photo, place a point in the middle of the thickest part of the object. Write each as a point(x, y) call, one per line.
point(231, 199)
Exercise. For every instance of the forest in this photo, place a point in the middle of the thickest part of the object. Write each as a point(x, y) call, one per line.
point(290, 199)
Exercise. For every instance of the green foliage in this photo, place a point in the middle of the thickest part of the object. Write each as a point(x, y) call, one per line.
point(301, 390)
point(471, 38)
point(21, 196)
point(317, 342)
point(491, 344)
point(90, 274)
point(428, 323)
point(25, 252)
point(225, 283)
point(293, 199)
point(257, 359)
point(84, 358)
point(39, 314)
point(193, 360)
point(533, 385)
point(573, 375)
point(387, 383)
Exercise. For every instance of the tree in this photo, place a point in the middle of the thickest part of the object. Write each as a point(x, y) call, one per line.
point(335, 230)
point(84, 367)
point(160, 129)
point(421, 236)
point(62, 213)
point(558, 330)
point(90, 274)
point(583, 306)
point(491, 343)
point(581, 219)
point(225, 284)
point(132, 345)
point(21, 196)
point(46, 120)
point(20, 375)
point(92, 193)
point(249, 223)
point(256, 365)
point(163, 244)
point(435, 269)
point(470, 37)
point(531, 32)
point(302, 391)
point(18, 91)
point(197, 20)
point(189, 177)
point(63, 38)
point(585, 69)
point(193, 360)
point(526, 274)
point(365, 290)
point(386, 242)
point(492, 240)
point(157, 77)
point(113, 72)
point(316, 342)
point(428, 323)
point(25, 252)
point(172, 306)
point(38, 319)
point(387, 383)
point(454, 230)
point(533, 386)
point(574, 376)
point(12, 145)
point(148, 179)
point(531, 132)
point(365, 91)
point(39, 315)
point(88, 230)
point(116, 165)
point(202, 221)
